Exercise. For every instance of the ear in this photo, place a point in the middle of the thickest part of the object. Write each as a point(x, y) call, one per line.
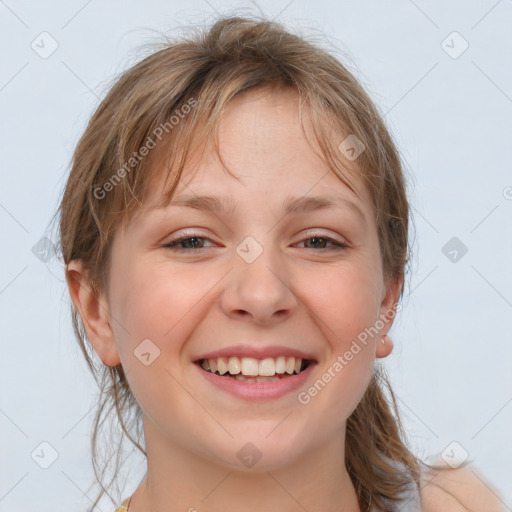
point(387, 313)
point(93, 308)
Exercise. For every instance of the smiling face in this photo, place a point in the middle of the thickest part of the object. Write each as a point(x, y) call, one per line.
point(253, 276)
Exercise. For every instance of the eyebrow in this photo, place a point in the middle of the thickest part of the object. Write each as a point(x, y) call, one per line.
point(292, 205)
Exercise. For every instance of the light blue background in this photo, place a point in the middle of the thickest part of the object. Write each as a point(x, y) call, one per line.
point(452, 119)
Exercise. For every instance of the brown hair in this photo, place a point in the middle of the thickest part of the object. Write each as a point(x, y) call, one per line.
point(110, 173)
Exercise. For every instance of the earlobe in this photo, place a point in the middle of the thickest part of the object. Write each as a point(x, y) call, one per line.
point(384, 346)
point(93, 309)
point(387, 315)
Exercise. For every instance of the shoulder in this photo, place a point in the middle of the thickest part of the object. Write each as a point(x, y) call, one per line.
point(459, 490)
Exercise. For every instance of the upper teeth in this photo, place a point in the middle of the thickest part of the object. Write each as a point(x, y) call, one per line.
point(251, 366)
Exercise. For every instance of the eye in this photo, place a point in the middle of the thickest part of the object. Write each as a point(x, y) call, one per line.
point(192, 240)
point(320, 240)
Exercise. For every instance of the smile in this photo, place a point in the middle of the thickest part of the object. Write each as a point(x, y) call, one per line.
point(256, 379)
point(249, 369)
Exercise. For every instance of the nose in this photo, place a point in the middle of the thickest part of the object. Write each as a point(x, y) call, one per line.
point(259, 291)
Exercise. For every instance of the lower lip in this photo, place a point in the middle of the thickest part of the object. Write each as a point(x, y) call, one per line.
point(258, 390)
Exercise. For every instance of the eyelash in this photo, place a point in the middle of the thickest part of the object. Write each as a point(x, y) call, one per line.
point(189, 236)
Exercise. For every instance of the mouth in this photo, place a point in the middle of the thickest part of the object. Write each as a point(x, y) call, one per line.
point(252, 370)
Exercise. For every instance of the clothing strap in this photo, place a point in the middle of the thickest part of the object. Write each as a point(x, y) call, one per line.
point(124, 505)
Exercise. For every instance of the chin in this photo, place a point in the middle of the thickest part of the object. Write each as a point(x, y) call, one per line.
point(254, 455)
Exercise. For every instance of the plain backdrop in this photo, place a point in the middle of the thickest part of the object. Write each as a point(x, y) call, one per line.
point(441, 74)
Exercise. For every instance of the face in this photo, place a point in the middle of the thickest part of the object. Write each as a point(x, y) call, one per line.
point(251, 280)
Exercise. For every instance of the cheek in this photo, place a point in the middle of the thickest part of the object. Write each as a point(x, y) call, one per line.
point(159, 303)
point(156, 308)
point(345, 306)
point(344, 300)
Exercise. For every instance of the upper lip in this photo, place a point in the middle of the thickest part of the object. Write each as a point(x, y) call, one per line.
point(256, 352)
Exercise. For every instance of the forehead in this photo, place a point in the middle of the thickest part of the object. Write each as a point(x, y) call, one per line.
point(265, 138)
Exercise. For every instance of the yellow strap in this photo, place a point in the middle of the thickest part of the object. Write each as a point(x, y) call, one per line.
point(124, 506)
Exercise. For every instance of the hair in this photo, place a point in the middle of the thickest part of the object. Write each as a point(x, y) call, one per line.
point(191, 80)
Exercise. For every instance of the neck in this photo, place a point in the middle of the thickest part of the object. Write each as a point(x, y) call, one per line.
point(177, 480)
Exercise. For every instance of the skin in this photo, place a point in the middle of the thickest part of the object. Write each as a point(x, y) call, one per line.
point(294, 294)
point(460, 490)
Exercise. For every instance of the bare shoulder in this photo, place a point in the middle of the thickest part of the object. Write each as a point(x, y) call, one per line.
point(464, 489)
